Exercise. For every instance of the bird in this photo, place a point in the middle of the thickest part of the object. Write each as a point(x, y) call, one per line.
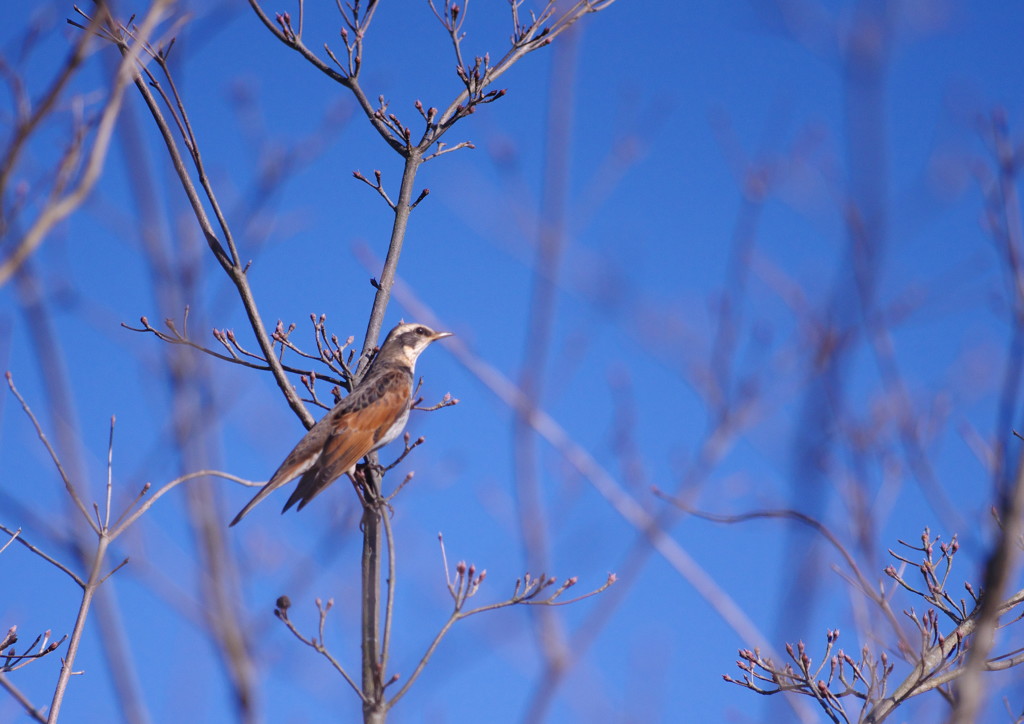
point(373, 414)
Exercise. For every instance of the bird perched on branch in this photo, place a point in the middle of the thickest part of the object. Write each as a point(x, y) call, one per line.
point(368, 418)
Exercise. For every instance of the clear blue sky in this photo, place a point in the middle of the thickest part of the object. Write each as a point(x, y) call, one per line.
point(669, 104)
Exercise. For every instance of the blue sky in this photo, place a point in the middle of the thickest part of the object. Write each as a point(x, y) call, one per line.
point(669, 104)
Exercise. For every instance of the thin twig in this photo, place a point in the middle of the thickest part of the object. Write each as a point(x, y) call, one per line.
point(68, 485)
point(389, 603)
point(862, 582)
point(110, 473)
point(21, 539)
point(32, 711)
point(13, 534)
point(167, 487)
point(230, 343)
point(522, 596)
point(281, 611)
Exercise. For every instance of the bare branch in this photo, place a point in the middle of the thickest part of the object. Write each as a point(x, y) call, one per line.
point(229, 341)
point(53, 561)
point(376, 185)
point(126, 520)
point(68, 485)
point(281, 611)
point(13, 534)
point(466, 583)
point(19, 697)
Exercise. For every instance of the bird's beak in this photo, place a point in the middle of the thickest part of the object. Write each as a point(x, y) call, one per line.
point(441, 335)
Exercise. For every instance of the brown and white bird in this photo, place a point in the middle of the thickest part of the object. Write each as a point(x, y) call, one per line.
point(369, 417)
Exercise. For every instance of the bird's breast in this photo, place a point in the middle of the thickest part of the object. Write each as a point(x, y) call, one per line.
point(394, 431)
point(383, 401)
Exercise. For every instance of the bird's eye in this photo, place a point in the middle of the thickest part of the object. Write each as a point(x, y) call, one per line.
point(422, 331)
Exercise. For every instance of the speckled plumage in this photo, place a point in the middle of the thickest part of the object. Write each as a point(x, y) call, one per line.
point(370, 417)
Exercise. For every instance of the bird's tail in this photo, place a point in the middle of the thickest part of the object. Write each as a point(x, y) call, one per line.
point(273, 484)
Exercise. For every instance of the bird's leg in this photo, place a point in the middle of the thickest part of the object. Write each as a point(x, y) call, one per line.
point(358, 479)
point(370, 501)
point(357, 476)
point(368, 494)
point(362, 474)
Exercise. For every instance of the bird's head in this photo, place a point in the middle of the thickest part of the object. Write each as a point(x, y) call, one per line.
point(407, 341)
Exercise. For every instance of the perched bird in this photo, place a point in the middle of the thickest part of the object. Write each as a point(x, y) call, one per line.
point(369, 417)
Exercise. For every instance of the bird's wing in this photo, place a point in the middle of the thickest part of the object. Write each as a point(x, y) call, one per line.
point(299, 460)
point(355, 433)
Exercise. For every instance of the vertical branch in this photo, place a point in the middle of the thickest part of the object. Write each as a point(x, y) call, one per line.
point(373, 656)
point(403, 207)
point(389, 604)
point(1009, 506)
point(533, 523)
point(825, 405)
point(372, 675)
point(1008, 230)
point(68, 663)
